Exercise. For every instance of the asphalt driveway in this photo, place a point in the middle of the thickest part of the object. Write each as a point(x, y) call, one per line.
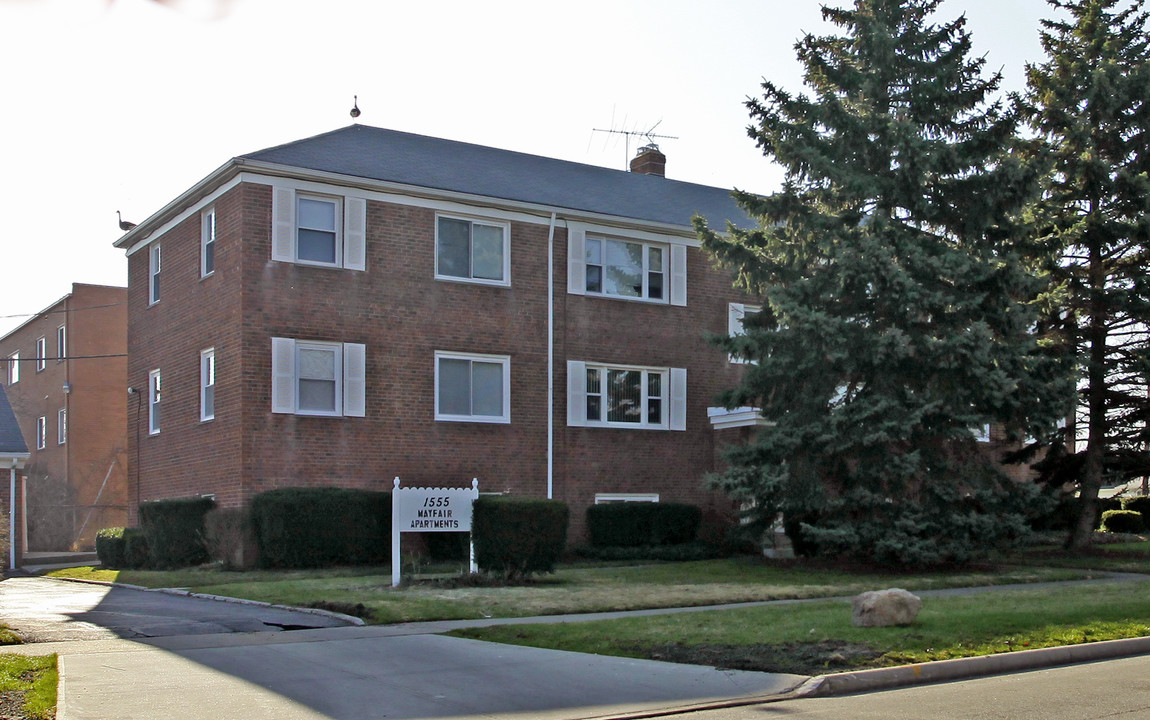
point(44, 610)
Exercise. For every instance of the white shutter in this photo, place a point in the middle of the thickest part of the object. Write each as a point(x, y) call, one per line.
point(355, 234)
point(283, 224)
point(678, 398)
point(576, 393)
point(354, 380)
point(283, 375)
point(576, 262)
point(678, 274)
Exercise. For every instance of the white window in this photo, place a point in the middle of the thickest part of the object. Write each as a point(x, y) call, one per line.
point(626, 396)
point(626, 268)
point(318, 229)
point(41, 353)
point(318, 378)
point(61, 426)
point(41, 432)
point(737, 314)
point(607, 498)
point(472, 388)
point(154, 275)
point(61, 344)
point(207, 384)
point(981, 434)
point(475, 250)
point(14, 368)
point(154, 398)
point(208, 243)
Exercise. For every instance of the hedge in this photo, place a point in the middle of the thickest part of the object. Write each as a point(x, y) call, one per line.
point(122, 548)
point(175, 531)
point(1139, 504)
point(635, 524)
point(1123, 521)
point(517, 537)
point(321, 527)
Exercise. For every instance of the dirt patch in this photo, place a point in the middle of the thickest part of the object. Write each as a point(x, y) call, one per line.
point(818, 658)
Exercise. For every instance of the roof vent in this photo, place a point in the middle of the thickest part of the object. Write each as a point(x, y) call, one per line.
point(649, 161)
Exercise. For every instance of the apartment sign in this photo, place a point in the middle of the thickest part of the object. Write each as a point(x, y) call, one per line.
point(424, 509)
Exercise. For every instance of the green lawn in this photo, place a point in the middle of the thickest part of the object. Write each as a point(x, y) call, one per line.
point(33, 678)
point(572, 589)
point(815, 638)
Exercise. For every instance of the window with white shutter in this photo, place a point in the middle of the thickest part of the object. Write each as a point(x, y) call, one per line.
point(319, 229)
point(626, 396)
point(318, 378)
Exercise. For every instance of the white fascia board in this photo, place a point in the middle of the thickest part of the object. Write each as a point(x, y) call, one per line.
point(143, 233)
point(625, 233)
point(409, 194)
point(192, 210)
point(722, 418)
point(14, 461)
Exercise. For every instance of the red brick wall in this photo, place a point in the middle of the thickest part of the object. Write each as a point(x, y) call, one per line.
point(403, 315)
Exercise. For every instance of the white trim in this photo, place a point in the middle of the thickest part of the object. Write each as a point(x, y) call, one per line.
point(336, 349)
point(41, 432)
point(602, 498)
point(207, 237)
point(723, 419)
point(262, 173)
point(504, 360)
point(472, 221)
point(736, 315)
point(61, 426)
point(645, 272)
point(155, 401)
point(208, 370)
point(672, 404)
point(981, 434)
point(61, 342)
point(155, 268)
point(336, 201)
point(41, 353)
point(13, 368)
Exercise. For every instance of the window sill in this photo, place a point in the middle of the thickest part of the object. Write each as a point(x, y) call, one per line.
point(625, 298)
point(472, 281)
point(487, 420)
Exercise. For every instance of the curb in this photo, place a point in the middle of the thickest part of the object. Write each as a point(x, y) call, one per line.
point(965, 668)
point(349, 619)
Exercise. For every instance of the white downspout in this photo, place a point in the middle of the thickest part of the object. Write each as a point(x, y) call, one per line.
point(551, 359)
point(12, 517)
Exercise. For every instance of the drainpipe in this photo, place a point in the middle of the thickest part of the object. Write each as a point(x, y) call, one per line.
point(551, 358)
point(12, 516)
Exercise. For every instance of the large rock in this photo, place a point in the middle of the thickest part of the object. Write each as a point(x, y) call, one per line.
point(881, 608)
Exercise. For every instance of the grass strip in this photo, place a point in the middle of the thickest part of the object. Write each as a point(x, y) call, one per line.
point(570, 590)
point(31, 682)
point(815, 638)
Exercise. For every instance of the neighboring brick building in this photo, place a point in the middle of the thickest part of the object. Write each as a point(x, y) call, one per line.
point(65, 375)
point(366, 304)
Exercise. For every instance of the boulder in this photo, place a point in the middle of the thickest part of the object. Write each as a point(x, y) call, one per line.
point(881, 608)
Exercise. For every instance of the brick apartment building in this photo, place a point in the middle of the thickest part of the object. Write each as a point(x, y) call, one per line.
point(65, 371)
point(366, 304)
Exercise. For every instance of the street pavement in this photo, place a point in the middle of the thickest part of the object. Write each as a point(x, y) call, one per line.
point(341, 673)
point(1113, 690)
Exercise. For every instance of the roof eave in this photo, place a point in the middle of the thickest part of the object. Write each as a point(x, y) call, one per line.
point(173, 208)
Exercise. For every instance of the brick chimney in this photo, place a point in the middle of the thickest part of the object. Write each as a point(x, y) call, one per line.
point(649, 161)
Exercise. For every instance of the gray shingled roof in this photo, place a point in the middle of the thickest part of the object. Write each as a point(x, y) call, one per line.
point(427, 162)
point(11, 439)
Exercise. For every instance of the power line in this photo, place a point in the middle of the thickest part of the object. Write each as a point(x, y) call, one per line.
point(60, 359)
point(62, 310)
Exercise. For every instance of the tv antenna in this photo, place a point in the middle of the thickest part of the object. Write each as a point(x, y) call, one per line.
point(649, 134)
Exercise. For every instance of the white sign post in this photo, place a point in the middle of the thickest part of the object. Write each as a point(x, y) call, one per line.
point(418, 509)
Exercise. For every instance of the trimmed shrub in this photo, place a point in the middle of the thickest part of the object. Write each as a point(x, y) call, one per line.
point(1103, 506)
point(1123, 521)
point(229, 538)
point(516, 537)
point(321, 527)
point(136, 553)
point(175, 531)
point(635, 524)
point(447, 546)
point(669, 553)
point(1138, 504)
point(110, 547)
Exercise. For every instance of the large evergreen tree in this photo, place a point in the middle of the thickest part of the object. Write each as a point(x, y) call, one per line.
point(1090, 102)
point(895, 295)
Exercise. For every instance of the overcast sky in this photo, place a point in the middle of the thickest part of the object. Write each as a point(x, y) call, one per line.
point(124, 104)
